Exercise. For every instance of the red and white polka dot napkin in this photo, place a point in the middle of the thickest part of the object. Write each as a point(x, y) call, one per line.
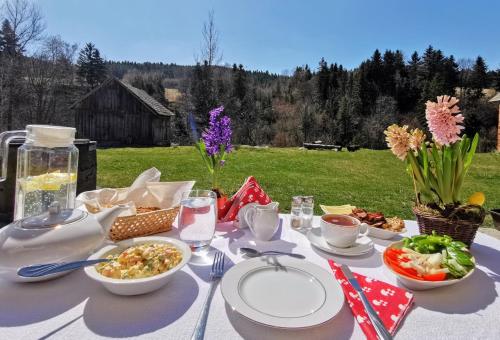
point(390, 302)
point(249, 192)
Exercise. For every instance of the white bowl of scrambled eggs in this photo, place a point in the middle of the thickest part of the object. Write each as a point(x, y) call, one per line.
point(139, 265)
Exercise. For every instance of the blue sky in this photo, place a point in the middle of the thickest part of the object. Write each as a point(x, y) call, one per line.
point(278, 35)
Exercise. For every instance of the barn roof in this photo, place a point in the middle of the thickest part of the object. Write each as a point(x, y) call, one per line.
point(496, 98)
point(141, 95)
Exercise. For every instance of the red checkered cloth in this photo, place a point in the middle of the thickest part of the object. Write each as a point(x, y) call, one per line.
point(249, 192)
point(390, 302)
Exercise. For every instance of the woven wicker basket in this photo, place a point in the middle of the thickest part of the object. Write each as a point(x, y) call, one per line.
point(143, 224)
point(459, 230)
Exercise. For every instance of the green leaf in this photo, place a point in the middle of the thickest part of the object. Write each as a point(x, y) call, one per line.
point(425, 160)
point(203, 152)
point(464, 146)
point(421, 182)
point(458, 180)
point(436, 158)
point(447, 175)
point(438, 172)
point(471, 152)
point(455, 153)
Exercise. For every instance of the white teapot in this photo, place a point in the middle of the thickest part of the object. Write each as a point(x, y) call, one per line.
point(59, 235)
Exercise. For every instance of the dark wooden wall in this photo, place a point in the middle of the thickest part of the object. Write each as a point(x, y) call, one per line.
point(113, 116)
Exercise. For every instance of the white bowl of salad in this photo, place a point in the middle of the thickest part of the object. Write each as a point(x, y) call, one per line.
point(139, 265)
point(429, 261)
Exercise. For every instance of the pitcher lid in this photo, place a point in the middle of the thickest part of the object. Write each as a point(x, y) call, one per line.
point(54, 217)
point(50, 136)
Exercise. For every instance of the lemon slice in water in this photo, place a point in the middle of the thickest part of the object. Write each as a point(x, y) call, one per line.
point(47, 182)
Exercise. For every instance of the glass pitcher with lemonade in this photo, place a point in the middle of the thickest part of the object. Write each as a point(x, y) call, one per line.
point(47, 164)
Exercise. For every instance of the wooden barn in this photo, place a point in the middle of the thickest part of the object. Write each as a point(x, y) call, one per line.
point(118, 114)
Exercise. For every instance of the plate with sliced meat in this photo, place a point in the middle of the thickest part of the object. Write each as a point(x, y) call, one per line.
point(380, 226)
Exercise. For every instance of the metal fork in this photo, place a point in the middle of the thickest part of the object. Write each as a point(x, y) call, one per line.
point(215, 275)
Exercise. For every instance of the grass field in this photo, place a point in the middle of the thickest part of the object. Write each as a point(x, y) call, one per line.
point(374, 180)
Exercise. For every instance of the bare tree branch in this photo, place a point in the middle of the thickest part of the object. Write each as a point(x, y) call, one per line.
point(210, 51)
point(26, 20)
point(49, 69)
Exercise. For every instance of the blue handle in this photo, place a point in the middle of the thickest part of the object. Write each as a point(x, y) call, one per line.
point(52, 268)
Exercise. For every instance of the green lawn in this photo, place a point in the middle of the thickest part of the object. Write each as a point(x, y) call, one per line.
point(374, 180)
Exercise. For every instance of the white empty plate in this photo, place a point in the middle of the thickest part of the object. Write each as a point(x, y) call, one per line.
point(362, 246)
point(282, 292)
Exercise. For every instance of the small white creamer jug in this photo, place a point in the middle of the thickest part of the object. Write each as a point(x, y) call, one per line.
point(263, 220)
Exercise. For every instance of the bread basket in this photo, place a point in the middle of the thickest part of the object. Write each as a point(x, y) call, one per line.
point(153, 205)
point(143, 224)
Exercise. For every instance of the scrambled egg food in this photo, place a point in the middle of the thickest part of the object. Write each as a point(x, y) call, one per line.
point(141, 261)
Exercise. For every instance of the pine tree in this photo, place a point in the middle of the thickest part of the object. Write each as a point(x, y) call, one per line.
point(414, 67)
point(202, 93)
point(376, 69)
point(323, 80)
point(349, 113)
point(99, 66)
point(408, 85)
point(11, 74)
point(90, 66)
point(399, 62)
point(432, 62)
point(9, 42)
point(239, 82)
point(388, 85)
point(450, 75)
point(479, 78)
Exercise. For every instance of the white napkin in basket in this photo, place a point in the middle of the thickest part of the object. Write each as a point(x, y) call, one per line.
point(145, 191)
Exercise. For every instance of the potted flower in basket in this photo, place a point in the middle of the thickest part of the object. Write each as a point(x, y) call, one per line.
point(214, 145)
point(438, 169)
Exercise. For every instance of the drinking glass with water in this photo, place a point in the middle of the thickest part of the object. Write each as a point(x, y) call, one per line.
point(197, 218)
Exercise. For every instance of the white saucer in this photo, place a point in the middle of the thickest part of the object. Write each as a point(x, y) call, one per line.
point(362, 246)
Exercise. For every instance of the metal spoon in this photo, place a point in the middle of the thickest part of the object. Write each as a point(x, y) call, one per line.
point(37, 270)
point(250, 252)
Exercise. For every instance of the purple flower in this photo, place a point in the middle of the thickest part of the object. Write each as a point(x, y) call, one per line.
point(218, 133)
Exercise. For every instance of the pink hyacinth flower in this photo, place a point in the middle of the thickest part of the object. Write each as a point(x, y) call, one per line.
point(443, 120)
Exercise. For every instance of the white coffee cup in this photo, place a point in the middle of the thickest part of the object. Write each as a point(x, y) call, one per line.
point(342, 230)
point(263, 220)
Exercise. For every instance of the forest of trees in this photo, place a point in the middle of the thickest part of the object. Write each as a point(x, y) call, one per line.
point(327, 102)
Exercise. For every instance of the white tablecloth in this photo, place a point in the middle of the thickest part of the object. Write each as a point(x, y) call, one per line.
point(74, 307)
